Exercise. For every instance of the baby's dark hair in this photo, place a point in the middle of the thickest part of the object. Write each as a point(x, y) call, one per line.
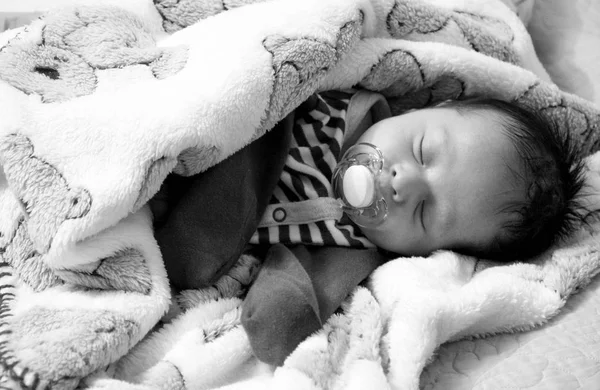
point(553, 173)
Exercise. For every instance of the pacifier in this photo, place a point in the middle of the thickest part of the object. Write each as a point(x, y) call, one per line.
point(356, 184)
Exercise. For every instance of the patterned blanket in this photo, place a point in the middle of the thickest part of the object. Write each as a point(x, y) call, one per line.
point(100, 102)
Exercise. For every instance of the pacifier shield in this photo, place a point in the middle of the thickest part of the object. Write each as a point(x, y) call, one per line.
point(356, 184)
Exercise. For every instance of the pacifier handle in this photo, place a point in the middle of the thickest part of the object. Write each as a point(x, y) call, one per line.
point(359, 186)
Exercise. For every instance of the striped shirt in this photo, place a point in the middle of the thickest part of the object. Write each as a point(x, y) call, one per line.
point(317, 139)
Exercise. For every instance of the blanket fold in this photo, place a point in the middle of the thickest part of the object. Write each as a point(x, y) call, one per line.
point(101, 102)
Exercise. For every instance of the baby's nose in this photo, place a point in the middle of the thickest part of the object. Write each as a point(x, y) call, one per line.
point(407, 184)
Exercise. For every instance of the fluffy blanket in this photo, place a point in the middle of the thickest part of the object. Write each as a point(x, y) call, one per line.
point(99, 103)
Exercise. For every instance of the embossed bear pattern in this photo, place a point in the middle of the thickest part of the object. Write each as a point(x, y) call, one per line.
point(58, 56)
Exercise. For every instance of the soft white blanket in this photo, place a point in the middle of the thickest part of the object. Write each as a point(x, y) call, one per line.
point(100, 103)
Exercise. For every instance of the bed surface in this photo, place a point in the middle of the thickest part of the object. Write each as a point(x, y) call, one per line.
point(563, 354)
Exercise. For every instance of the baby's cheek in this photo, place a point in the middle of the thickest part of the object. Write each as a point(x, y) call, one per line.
point(386, 239)
point(372, 235)
point(403, 240)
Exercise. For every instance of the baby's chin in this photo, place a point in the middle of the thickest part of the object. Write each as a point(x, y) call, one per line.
point(400, 249)
point(376, 238)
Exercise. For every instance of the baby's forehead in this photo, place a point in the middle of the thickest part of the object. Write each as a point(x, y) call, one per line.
point(507, 193)
point(501, 208)
point(500, 177)
point(485, 215)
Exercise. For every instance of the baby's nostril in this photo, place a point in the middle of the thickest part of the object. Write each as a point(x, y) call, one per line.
point(394, 173)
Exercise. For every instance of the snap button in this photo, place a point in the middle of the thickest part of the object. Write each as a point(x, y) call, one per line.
point(279, 214)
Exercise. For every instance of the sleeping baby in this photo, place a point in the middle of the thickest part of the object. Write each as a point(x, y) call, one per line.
point(340, 186)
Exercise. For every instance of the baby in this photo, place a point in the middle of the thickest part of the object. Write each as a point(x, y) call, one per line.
point(481, 177)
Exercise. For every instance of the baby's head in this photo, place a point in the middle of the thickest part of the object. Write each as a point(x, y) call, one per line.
point(482, 177)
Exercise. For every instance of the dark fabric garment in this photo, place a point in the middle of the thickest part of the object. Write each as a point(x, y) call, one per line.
point(207, 219)
point(296, 291)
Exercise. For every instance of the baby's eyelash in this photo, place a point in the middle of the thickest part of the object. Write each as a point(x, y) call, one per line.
point(421, 150)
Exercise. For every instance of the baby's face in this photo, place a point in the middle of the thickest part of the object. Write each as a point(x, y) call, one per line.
point(446, 178)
